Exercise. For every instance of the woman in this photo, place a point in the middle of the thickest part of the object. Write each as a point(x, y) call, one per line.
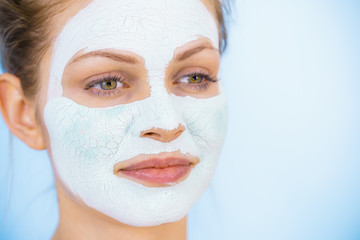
point(126, 98)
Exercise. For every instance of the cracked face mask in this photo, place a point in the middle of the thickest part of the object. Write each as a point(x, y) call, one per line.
point(86, 142)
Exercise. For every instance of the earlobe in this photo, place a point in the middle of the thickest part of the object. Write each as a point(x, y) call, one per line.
point(18, 112)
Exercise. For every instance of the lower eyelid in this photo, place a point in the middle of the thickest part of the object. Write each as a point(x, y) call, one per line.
point(104, 93)
point(195, 86)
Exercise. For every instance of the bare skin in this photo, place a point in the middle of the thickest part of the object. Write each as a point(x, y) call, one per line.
point(24, 119)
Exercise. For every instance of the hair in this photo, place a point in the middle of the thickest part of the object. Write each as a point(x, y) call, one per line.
point(25, 35)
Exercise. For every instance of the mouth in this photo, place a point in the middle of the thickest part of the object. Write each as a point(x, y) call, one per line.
point(157, 170)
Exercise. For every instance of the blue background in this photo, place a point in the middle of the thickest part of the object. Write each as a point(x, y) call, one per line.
point(290, 167)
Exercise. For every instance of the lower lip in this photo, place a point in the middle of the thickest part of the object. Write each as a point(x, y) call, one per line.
point(158, 176)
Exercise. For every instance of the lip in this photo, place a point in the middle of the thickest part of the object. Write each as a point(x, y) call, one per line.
point(157, 170)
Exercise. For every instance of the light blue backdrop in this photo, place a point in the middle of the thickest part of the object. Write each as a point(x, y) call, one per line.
point(290, 167)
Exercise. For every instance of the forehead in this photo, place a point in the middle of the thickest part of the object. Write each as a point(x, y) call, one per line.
point(132, 24)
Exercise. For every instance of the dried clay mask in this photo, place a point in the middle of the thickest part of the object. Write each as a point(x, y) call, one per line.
point(87, 142)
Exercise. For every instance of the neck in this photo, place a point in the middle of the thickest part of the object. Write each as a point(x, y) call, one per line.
point(78, 221)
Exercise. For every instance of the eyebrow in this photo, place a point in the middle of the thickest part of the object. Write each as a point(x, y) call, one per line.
point(114, 56)
point(194, 51)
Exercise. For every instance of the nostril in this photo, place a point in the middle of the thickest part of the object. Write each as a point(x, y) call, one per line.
point(150, 134)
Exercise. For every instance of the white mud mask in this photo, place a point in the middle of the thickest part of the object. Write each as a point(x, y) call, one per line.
point(86, 142)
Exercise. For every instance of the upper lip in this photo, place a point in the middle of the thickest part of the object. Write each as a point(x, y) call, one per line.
point(161, 160)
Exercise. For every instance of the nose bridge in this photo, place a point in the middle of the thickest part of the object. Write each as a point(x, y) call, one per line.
point(165, 113)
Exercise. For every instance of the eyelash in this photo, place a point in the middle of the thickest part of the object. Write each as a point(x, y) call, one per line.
point(102, 92)
point(198, 86)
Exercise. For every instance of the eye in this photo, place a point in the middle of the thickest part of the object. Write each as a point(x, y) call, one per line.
point(192, 79)
point(195, 82)
point(107, 85)
point(196, 78)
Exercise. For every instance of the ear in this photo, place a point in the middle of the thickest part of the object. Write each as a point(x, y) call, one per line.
point(19, 112)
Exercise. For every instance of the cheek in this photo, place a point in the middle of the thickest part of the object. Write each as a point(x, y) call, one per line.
point(83, 133)
point(206, 121)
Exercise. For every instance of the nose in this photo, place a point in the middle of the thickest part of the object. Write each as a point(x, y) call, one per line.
point(163, 135)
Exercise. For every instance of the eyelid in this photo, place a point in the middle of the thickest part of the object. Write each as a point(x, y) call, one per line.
point(190, 70)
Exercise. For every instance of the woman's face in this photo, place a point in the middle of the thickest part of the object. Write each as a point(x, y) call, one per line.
point(133, 107)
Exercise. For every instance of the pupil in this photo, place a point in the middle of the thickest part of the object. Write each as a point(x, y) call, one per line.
point(108, 85)
point(194, 79)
